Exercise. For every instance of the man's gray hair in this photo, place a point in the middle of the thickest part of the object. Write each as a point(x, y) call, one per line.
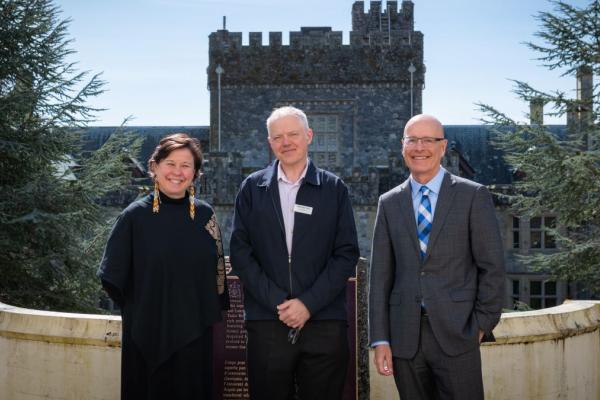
point(287, 111)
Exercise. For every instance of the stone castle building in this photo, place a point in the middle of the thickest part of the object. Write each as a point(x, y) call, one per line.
point(358, 97)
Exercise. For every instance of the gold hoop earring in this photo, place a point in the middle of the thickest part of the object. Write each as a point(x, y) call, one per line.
point(156, 200)
point(192, 202)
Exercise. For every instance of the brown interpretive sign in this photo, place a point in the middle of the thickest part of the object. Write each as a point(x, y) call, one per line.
point(229, 344)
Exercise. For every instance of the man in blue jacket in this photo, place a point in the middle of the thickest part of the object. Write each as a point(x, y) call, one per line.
point(294, 246)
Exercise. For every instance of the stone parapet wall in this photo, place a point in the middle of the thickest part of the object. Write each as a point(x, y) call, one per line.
point(315, 55)
point(55, 355)
point(546, 354)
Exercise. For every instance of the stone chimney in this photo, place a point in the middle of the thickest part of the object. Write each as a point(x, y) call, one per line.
point(536, 111)
point(585, 95)
point(580, 114)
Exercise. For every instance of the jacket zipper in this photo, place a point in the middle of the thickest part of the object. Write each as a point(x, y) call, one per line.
point(281, 225)
point(290, 272)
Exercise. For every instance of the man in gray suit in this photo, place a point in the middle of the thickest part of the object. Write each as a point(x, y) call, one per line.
point(437, 274)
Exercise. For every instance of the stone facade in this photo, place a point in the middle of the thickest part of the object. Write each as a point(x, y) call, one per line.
point(360, 90)
point(363, 88)
point(357, 96)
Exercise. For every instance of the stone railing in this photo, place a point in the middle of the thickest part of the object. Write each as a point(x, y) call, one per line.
point(53, 355)
point(546, 354)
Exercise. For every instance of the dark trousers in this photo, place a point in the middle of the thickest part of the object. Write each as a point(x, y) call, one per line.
point(313, 368)
point(432, 374)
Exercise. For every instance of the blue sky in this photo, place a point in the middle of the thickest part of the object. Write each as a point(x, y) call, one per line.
point(154, 53)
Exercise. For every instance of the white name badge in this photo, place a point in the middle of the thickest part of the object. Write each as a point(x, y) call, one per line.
point(303, 209)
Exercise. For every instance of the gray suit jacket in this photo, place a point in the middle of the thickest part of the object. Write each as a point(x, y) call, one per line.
point(460, 280)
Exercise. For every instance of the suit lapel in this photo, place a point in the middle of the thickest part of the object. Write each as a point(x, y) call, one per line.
point(443, 205)
point(407, 212)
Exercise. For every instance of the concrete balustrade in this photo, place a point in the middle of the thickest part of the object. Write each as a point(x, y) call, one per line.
point(547, 354)
point(53, 355)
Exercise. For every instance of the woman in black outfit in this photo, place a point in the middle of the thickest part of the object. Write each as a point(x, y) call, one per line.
point(164, 266)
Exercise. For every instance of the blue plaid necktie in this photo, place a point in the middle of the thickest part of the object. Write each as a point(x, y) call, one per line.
point(424, 219)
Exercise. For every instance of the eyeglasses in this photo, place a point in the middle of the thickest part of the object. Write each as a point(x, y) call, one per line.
point(293, 335)
point(425, 141)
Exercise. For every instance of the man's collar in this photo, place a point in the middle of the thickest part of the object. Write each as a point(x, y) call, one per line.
point(433, 185)
point(270, 176)
point(281, 176)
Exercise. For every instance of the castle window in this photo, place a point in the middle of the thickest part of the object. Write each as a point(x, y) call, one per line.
point(324, 147)
point(542, 294)
point(541, 237)
point(516, 290)
point(515, 233)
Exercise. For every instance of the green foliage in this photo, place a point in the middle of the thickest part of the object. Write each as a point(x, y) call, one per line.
point(560, 175)
point(48, 190)
point(570, 35)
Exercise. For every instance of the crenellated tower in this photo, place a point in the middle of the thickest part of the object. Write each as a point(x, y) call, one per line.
point(389, 22)
point(358, 95)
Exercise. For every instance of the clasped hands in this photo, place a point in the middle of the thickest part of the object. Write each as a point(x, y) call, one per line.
point(293, 313)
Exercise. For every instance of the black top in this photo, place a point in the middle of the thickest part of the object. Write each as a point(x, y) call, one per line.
point(167, 273)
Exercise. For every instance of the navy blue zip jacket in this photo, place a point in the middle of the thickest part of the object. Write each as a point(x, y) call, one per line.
point(324, 245)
